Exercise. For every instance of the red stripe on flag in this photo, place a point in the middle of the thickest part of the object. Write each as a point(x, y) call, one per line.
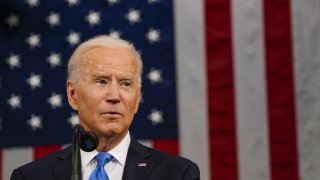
point(42, 151)
point(223, 152)
point(279, 62)
point(168, 146)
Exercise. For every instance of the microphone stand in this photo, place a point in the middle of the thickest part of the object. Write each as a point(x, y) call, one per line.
point(87, 141)
point(75, 153)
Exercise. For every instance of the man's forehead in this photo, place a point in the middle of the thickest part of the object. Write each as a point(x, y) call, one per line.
point(109, 56)
point(98, 51)
point(98, 74)
point(97, 62)
point(108, 68)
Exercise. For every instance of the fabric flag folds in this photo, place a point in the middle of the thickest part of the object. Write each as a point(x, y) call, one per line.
point(232, 85)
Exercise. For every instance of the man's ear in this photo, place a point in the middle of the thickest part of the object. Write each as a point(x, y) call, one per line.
point(72, 94)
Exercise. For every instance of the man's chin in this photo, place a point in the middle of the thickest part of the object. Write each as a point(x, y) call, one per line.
point(113, 132)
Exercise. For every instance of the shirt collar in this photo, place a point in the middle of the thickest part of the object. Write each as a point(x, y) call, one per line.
point(119, 152)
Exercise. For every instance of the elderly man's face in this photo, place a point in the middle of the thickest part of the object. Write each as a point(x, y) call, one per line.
point(107, 94)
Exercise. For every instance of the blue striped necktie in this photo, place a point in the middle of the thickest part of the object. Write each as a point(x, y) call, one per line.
point(99, 173)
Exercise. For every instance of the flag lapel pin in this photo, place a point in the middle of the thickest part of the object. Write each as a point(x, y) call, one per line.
point(142, 164)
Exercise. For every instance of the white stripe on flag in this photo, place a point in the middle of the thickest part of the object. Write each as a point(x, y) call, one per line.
point(192, 104)
point(250, 90)
point(13, 158)
point(306, 38)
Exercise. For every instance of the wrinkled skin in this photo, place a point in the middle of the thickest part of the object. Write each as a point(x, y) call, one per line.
point(106, 94)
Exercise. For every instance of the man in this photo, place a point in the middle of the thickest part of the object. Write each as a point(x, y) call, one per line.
point(103, 86)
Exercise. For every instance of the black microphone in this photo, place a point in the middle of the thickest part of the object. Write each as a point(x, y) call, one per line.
point(87, 141)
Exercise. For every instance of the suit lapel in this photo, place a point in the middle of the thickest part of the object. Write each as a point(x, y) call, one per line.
point(138, 163)
point(137, 167)
point(63, 169)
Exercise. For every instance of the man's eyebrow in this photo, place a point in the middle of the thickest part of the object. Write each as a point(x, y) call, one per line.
point(98, 75)
point(127, 77)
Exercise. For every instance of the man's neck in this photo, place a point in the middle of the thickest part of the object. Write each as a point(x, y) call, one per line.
point(108, 143)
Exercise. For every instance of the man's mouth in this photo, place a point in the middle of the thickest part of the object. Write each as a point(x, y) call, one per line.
point(113, 114)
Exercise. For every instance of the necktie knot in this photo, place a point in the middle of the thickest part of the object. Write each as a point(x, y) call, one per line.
point(103, 158)
point(98, 173)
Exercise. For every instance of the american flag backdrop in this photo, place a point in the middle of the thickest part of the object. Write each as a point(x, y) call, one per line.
point(232, 85)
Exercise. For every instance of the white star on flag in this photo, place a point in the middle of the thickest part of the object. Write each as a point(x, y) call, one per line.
point(73, 38)
point(14, 101)
point(141, 98)
point(111, 2)
point(114, 34)
point(54, 59)
point(34, 81)
point(93, 18)
point(14, 61)
point(35, 122)
point(33, 40)
point(13, 20)
point(153, 35)
point(33, 3)
point(152, 1)
point(53, 19)
point(154, 76)
point(72, 2)
point(133, 16)
point(55, 100)
point(155, 117)
point(73, 120)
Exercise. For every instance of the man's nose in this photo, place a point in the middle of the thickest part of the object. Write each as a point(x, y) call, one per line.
point(113, 95)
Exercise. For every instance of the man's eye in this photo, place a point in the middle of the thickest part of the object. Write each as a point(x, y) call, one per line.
point(101, 81)
point(126, 84)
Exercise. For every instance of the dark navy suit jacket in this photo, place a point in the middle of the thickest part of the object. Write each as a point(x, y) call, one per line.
point(158, 166)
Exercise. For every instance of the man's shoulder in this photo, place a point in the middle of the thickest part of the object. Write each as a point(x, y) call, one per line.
point(50, 159)
point(171, 159)
point(164, 157)
point(43, 167)
point(167, 166)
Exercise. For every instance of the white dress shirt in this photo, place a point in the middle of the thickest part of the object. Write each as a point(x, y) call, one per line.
point(114, 168)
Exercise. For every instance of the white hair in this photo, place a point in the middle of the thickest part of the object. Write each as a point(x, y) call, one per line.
point(100, 41)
